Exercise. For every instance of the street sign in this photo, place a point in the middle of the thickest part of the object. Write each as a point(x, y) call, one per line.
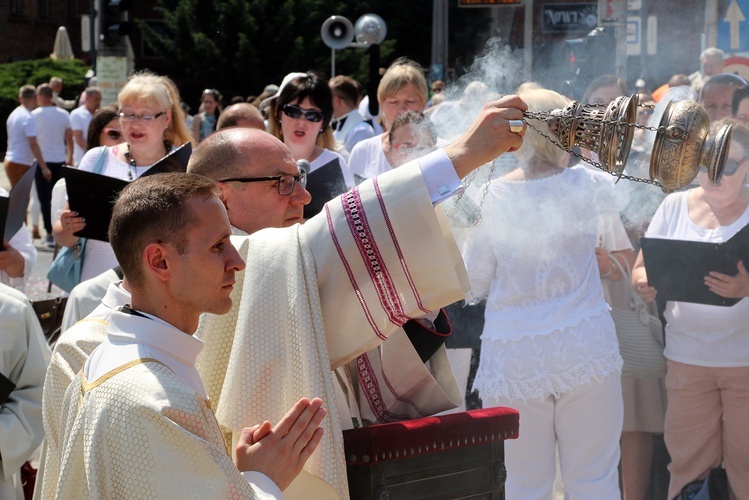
point(569, 17)
point(733, 31)
point(111, 74)
point(737, 65)
point(634, 35)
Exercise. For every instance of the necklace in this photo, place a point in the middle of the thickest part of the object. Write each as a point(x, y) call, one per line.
point(131, 160)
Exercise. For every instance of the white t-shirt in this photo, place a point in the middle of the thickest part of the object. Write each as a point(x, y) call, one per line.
point(328, 156)
point(354, 130)
point(20, 126)
point(699, 334)
point(51, 124)
point(367, 159)
point(80, 118)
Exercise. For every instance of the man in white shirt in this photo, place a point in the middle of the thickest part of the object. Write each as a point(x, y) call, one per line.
point(22, 145)
point(349, 127)
point(80, 118)
point(55, 137)
point(56, 83)
point(171, 236)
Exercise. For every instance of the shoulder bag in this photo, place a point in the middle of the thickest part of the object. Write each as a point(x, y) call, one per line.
point(638, 327)
point(65, 271)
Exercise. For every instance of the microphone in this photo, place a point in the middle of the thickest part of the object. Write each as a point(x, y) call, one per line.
point(303, 165)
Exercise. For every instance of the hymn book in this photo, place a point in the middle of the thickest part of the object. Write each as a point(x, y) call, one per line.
point(13, 207)
point(677, 268)
point(93, 195)
point(324, 184)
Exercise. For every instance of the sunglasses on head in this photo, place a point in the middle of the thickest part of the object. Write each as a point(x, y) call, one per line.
point(113, 134)
point(311, 115)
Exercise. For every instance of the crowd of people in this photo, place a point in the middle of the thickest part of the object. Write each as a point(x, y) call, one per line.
point(250, 325)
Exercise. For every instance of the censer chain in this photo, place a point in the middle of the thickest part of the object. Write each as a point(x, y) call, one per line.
point(532, 115)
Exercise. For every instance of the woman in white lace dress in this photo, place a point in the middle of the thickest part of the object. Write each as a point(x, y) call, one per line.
point(549, 347)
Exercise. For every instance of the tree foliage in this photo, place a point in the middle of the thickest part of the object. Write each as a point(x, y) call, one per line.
point(239, 46)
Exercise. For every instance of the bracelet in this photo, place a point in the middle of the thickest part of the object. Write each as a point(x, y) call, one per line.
point(610, 271)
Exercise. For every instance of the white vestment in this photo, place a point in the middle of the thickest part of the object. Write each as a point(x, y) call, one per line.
point(23, 360)
point(71, 352)
point(135, 423)
point(315, 296)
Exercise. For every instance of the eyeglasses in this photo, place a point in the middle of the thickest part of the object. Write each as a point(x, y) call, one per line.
point(130, 117)
point(730, 166)
point(285, 182)
point(113, 134)
point(437, 90)
point(311, 115)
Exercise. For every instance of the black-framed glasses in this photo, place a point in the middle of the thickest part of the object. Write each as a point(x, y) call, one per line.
point(730, 166)
point(311, 115)
point(285, 182)
point(131, 117)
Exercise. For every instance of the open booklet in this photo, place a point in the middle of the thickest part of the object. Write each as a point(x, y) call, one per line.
point(324, 184)
point(13, 207)
point(93, 195)
point(677, 268)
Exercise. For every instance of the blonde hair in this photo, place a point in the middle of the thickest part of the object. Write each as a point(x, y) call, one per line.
point(401, 73)
point(534, 145)
point(158, 92)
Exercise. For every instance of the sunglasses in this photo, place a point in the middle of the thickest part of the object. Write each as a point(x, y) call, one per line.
point(730, 167)
point(113, 134)
point(311, 115)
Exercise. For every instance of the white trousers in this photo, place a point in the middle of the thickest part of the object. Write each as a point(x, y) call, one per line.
point(585, 424)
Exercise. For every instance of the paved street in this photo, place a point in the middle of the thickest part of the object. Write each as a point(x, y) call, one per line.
point(36, 288)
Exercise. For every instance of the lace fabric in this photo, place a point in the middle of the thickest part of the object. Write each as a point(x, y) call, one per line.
point(548, 364)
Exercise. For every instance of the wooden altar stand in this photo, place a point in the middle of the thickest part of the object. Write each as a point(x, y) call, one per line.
point(460, 455)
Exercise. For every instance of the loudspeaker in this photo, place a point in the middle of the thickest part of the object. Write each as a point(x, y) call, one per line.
point(370, 29)
point(337, 32)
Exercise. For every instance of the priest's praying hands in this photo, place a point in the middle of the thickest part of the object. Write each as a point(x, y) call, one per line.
point(281, 452)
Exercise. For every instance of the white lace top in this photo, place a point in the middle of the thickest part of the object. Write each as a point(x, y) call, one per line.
point(547, 325)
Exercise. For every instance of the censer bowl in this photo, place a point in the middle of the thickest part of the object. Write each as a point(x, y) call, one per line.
point(683, 144)
point(608, 132)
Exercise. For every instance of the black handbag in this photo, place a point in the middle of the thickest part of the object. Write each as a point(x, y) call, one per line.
point(49, 312)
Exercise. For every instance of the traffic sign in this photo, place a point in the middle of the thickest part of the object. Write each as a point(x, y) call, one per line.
point(733, 31)
point(634, 35)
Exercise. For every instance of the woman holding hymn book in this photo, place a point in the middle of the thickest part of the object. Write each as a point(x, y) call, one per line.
point(707, 378)
point(152, 126)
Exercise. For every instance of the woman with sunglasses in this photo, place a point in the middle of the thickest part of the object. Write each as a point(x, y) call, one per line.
point(300, 116)
point(204, 123)
point(707, 378)
point(152, 125)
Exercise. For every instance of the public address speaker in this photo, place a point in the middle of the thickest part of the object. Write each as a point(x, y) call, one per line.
point(337, 32)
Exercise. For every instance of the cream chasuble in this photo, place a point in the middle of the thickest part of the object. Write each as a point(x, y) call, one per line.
point(173, 449)
point(70, 354)
point(71, 351)
point(315, 296)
